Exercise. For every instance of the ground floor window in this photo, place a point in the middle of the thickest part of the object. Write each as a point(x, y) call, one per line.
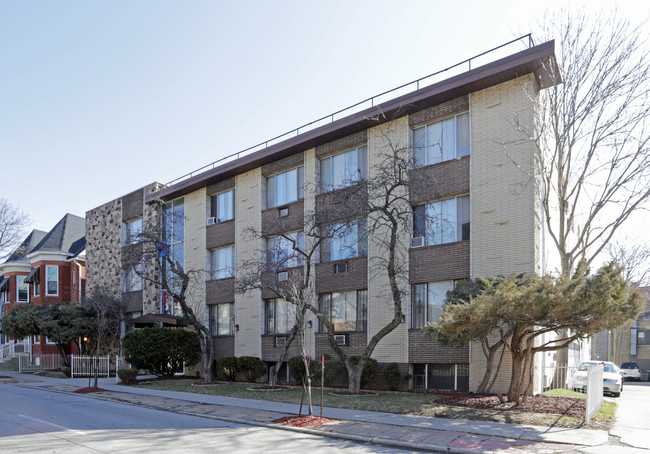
point(283, 372)
point(441, 377)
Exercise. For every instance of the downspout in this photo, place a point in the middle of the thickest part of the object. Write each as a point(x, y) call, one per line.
point(78, 279)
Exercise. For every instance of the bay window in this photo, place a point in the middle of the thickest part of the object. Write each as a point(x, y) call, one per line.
point(286, 187)
point(428, 301)
point(22, 289)
point(222, 262)
point(348, 311)
point(441, 141)
point(222, 319)
point(343, 169)
point(444, 221)
point(222, 206)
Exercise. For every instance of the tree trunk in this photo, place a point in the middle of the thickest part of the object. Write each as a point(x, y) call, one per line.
point(207, 357)
point(308, 385)
point(354, 375)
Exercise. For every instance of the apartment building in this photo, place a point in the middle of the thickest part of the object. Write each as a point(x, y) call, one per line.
point(458, 130)
point(47, 268)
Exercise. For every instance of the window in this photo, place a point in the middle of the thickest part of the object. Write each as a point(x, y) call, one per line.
point(343, 169)
point(441, 222)
point(282, 250)
point(131, 231)
point(348, 311)
point(174, 218)
point(222, 319)
point(427, 302)
point(222, 206)
point(222, 262)
point(48, 341)
point(23, 293)
point(280, 316)
point(131, 281)
point(346, 241)
point(51, 280)
point(285, 187)
point(441, 141)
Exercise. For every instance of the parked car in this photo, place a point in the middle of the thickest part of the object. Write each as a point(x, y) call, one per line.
point(630, 371)
point(612, 379)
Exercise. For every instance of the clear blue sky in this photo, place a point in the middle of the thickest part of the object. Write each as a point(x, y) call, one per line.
point(100, 98)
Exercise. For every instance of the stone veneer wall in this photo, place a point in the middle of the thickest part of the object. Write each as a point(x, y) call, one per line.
point(103, 247)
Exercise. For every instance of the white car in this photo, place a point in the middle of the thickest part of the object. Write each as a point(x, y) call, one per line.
point(612, 379)
point(630, 371)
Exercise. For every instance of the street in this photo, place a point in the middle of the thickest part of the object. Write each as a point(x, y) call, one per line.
point(36, 421)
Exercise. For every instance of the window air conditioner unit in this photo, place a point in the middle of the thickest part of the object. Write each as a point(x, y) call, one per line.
point(417, 241)
point(283, 276)
point(284, 212)
point(212, 221)
point(340, 267)
point(280, 341)
point(341, 339)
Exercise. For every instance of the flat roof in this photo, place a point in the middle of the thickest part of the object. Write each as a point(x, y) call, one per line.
point(537, 60)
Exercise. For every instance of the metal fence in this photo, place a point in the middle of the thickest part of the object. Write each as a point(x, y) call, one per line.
point(35, 363)
point(88, 366)
point(558, 380)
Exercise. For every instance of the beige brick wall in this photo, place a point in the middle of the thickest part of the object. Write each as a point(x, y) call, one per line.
point(505, 229)
point(249, 192)
point(502, 195)
point(393, 347)
point(311, 166)
point(195, 250)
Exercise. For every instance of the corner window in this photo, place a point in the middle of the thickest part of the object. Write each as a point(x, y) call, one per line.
point(222, 206)
point(131, 281)
point(442, 222)
point(427, 302)
point(282, 251)
point(23, 293)
point(346, 241)
point(131, 231)
point(222, 262)
point(343, 169)
point(52, 280)
point(348, 311)
point(280, 316)
point(285, 187)
point(441, 141)
point(222, 319)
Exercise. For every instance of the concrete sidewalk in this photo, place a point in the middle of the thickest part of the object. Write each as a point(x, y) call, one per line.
point(404, 431)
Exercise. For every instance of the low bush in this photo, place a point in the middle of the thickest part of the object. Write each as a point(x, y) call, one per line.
point(392, 376)
point(67, 371)
point(252, 367)
point(161, 351)
point(128, 376)
point(369, 369)
point(226, 368)
point(297, 369)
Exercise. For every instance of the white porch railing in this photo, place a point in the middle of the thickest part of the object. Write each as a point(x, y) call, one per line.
point(87, 366)
point(33, 363)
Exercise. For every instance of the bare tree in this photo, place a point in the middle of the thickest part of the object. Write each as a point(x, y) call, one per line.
point(593, 134)
point(635, 260)
point(154, 259)
point(12, 227)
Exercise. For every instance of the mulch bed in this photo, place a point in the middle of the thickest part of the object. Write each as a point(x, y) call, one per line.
point(304, 421)
point(88, 390)
point(4, 376)
point(211, 383)
point(566, 406)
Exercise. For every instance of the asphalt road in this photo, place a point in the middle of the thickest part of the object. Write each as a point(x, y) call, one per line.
point(38, 421)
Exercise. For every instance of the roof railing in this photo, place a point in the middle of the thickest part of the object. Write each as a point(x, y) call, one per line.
point(526, 39)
